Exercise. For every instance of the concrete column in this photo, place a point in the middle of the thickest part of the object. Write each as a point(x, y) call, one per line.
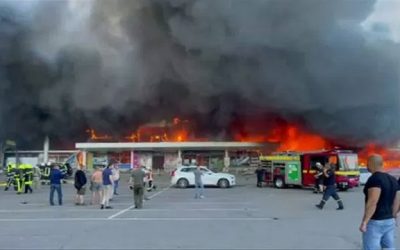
point(132, 159)
point(179, 157)
point(227, 161)
point(46, 147)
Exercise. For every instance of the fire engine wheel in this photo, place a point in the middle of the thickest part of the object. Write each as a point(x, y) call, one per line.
point(279, 182)
point(223, 183)
point(182, 183)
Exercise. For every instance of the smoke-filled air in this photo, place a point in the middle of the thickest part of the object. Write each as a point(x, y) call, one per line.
point(228, 66)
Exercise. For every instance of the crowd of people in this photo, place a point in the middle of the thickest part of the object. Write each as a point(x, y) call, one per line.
point(103, 184)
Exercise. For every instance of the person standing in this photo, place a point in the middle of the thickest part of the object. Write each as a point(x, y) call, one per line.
point(198, 182)
point(55, 184)
point(260, 172)
point(151, 180)
point(382, 202)
point(137, 181)
point(107, 187)
point(116, 176)
point(28, 177)
point(96, 183)
point(80, 185)
point(19, 177)
point(11, 170)
point(330, 187)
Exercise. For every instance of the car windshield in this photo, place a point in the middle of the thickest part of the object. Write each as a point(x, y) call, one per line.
point(191, 169)
point(363, 170)
point(348, 162)
point(187, 169)
point(205, 170)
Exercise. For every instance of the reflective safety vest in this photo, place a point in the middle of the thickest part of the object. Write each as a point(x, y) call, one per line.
point(11, 169)
point(45, 171)
point(27, 173)
point(63, 169)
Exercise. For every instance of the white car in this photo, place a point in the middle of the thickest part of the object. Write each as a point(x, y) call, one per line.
point(364, 175)
point(183, 177)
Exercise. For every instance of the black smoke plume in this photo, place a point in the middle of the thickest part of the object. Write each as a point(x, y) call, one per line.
point(66, 66)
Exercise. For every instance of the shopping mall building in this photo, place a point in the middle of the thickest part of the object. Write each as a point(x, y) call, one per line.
point(167, 155)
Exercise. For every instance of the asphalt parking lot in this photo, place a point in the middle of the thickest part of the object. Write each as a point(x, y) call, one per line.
point(243, 217)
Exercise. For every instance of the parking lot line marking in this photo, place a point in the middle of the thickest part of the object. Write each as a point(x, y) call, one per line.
point(50, 210)
point(129, 208)
point(139, 219)
point(202, 202)
point(45, 204)
point(194, 209)
point(142, 210)
point(198, 219)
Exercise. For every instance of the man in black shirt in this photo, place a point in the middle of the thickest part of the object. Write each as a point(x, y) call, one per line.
point(381, 207)
point(330, 187)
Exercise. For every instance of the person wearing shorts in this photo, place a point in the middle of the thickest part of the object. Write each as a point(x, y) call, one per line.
point(96, 185)
point(80, 186)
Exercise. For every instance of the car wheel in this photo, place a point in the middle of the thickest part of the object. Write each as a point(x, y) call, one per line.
point(223, 183)
point(279, 182)
point(182, 183)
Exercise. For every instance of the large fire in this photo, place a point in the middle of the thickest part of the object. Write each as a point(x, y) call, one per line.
point(391, 156)
point(288, 137)
point(175, 131)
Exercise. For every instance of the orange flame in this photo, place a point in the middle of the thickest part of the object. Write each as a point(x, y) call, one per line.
point(94, 136)
point(391, 157)
point(289, 138)
point(175, 131)
point(297, 140)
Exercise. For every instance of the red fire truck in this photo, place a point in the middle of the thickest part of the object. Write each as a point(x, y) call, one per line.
point(299, 168)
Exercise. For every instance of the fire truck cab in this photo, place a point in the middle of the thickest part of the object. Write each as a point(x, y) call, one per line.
point(299, 168)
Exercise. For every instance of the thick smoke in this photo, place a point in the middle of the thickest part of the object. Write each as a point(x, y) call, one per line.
point(113, 65)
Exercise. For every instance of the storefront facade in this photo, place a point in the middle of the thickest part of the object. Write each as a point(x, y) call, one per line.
point(168, 155)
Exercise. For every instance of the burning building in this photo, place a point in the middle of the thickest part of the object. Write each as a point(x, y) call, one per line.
point(306, 75)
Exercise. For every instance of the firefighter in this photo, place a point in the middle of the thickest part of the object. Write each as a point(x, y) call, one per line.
point(330, 187)
point(66, 170)
point(63, 169)
point(319, 178)
point(45, 171)
point(27, 177)
point(18, 177)
point(11, 169)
